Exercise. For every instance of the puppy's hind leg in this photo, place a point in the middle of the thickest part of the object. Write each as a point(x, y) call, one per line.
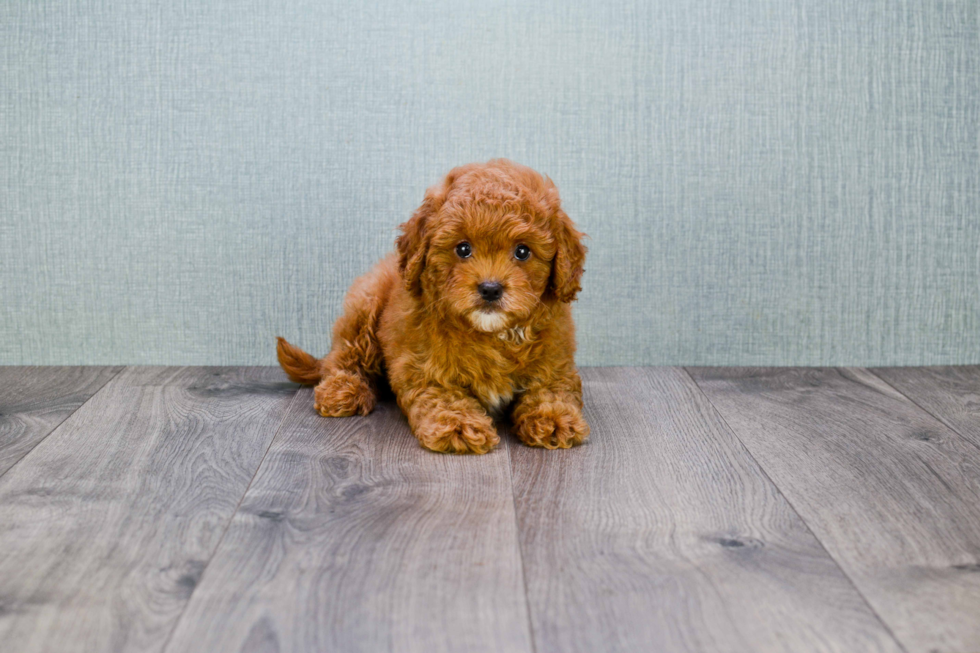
point(340, 390)
point(345, 389)
point(349, 373)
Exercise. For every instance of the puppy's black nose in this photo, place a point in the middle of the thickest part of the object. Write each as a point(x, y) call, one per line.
point(490, 290)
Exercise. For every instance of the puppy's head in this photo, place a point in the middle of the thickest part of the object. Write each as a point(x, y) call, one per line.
point(490, 243)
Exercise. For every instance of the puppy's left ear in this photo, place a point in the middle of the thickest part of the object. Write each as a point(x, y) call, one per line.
point(567, 266)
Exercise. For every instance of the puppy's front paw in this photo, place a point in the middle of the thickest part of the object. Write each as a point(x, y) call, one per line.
point(341, 394)
point(553, 425)
point(457, 432)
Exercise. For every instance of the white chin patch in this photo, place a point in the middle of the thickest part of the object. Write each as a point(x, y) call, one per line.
point(488, 322)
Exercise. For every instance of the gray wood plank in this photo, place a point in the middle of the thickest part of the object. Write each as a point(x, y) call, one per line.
point(34, 400)
point(354, 538)
point(107, 525)
point(949, 393)
point(662, 534)
point(892, 493)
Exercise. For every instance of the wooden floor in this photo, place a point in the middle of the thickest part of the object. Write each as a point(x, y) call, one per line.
point(729, 509)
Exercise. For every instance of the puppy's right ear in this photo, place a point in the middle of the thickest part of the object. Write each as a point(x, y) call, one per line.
point(413, 243)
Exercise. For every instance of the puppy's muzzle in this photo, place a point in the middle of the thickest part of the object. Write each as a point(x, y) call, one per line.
point(490, 291)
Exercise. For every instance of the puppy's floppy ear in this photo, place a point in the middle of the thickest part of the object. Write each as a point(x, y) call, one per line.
point(567, 266)
point(413, 243)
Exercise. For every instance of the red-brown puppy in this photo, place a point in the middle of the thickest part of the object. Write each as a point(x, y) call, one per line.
point(470, 317)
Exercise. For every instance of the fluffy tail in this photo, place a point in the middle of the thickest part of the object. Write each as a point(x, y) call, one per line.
point(300, 367)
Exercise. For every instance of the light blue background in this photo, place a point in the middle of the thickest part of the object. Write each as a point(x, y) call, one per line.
point(773, 182)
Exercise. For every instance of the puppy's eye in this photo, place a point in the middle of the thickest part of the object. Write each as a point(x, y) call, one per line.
point(464, 250)
point(522, 253)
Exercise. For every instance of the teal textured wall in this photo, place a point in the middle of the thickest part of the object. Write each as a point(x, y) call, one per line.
point(773, 182)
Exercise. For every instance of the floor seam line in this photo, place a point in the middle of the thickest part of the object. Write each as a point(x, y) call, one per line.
point(922, 408)
point(520, 546)
point(227, 527)
point(806, 524)
point(121, 369)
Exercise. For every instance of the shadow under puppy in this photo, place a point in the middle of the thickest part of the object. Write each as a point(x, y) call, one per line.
point(470, 317)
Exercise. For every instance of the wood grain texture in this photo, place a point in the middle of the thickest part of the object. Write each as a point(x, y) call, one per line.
point(35, 400)
point(354, 538)
point(950, 393)
point(107, 525)
point(662, 534)
point(891, 492)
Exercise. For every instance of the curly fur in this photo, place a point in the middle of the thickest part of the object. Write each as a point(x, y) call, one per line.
point(453, 360)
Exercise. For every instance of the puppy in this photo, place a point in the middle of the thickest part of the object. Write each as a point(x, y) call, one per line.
point(469, 318)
